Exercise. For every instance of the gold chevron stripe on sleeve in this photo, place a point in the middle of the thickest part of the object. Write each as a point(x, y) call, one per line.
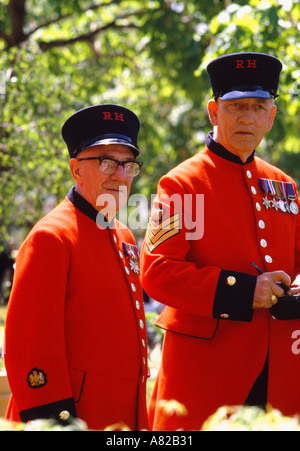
point(169, 224)
point(158, 235)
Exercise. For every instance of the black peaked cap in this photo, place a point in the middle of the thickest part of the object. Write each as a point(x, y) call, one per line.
point(244, 75)
point(101, 125)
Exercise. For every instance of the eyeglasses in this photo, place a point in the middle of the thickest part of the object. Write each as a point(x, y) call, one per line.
point(110, 165)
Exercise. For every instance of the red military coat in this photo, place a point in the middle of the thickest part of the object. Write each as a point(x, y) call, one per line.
point(216, 345)
point(75, 328)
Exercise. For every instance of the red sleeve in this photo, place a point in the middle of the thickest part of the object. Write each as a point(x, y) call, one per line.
point(171, 277)
point(35, 354)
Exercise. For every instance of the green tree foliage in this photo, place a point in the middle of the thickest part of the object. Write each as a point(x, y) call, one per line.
point(149, 55)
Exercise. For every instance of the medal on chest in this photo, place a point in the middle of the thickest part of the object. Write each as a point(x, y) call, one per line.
point(132, 252)
point(283, 196)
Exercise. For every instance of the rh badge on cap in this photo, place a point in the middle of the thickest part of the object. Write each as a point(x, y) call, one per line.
point(244, 75)
point(100, 125)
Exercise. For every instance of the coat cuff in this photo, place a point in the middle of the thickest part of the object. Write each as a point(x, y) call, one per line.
point(287, 308)
point(61, 411)
point(234, 296)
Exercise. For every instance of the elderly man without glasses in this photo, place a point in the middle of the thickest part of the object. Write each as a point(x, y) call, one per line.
point(231, 297)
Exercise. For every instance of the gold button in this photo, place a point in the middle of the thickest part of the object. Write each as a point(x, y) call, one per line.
point(231, 281)
point(261, 225)
point(64, 415)
point(253, 190)
point(249, 174)
point(224, 315)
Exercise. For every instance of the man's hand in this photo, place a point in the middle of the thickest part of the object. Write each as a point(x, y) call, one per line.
point(295, 287)
point(268, 291)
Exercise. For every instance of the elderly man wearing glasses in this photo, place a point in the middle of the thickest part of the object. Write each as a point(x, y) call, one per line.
point(75, 329)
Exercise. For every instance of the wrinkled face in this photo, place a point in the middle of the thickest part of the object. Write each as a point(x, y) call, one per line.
point(241, 124)
point(103, 191)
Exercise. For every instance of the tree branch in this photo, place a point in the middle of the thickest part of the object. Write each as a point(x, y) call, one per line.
point(89, 36)
point(66, 16)
point(17, 12)
point(16, 9)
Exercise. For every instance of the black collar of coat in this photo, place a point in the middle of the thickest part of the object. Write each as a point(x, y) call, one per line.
point(222, 152)
point(86, 208)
